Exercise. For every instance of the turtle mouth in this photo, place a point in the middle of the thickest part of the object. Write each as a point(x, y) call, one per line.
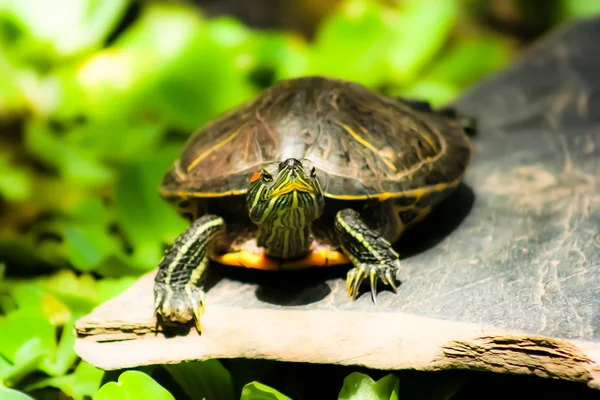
point(295, 184)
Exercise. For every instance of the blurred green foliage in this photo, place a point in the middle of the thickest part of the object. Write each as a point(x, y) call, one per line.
point(95, 104)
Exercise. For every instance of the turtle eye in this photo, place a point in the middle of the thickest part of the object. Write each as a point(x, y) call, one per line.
point(313, 172)
point(267, 177)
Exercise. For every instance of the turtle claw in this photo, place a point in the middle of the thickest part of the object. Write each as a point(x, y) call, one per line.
point(180, 304)
point(382, 271)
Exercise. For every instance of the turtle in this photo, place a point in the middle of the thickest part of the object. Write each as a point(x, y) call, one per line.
point(314, 171)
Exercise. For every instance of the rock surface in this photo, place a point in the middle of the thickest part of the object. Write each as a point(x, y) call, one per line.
point(504, 276)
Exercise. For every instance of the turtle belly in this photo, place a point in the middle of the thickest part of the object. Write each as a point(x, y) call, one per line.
point(242, 250)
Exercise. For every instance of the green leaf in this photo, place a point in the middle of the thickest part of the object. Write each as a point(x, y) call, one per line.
point(146, 219)
point(244, 370)
point(82, 293)
point(133, 385)
point(31, 295)
point(432, 23)
point(287, 55)
point(28, 358)
point(76, 26)
point(87, 240)
point(258, 391)
point(578, 9)
point(76, 165)
point(352, 44)
point(136, 136)
point(87, 246)
point(437, 93)
point(109, 288)
point(11, 394)
point(13, 99)
point(81, 384)
point(188, 102)
point(87, 380)
point(133, 77)
point(5, 368)
point(470, 59)
point(15, 181)
point(203, 379)
point(21, 327)
point(359, 386)
point(65, 356)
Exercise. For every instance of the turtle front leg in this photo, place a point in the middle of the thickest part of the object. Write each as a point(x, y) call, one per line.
point(370, 253)
point(177, 296)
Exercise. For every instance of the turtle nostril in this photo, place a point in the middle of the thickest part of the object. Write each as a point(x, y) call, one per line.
point(290, 163)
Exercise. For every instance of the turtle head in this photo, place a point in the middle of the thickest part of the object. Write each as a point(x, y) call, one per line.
point(285, 196)
point(281, 186)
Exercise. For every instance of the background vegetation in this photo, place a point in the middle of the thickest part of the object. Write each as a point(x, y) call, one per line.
point(96, 100)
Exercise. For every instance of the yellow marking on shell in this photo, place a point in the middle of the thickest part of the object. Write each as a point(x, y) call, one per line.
point(427, 160)
point(366, 144)
point(429, 140)
point(425, 211)
point(381, 196)
point(418, 192)
point(212, 149)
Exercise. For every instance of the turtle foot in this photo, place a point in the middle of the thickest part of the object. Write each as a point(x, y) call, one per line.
point(385, 272)
point(179, 304)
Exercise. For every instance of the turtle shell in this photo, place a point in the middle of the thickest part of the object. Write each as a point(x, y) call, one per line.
point(363, 144)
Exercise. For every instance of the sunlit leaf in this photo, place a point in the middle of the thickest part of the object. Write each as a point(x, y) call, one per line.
point(75, 164)
point(118, 82)
point(76, 26)
point(15, 182)
point(82, 384)
point(82, 293)
point(109, 288)
point(352, 44)
point(188, 102)
point(437, 93)
point(574, 9)
point(288, 56)
point(470, 60)
point(203, 379)
point(146, 219)
point(12, 97)
point(5, 368)
point(229, 33)
point(420, 31)
point(133, 385)
point(30, 295)
point(258, 391)
point(136, 137)
point(358, 386)
point(12, 394)
point(21, 326)
point(244, 370)
point(29, 357)
point(87, 245)
point(65, 355)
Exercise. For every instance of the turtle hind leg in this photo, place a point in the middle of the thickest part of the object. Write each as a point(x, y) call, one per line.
point(370, 253)
point(177, 296)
